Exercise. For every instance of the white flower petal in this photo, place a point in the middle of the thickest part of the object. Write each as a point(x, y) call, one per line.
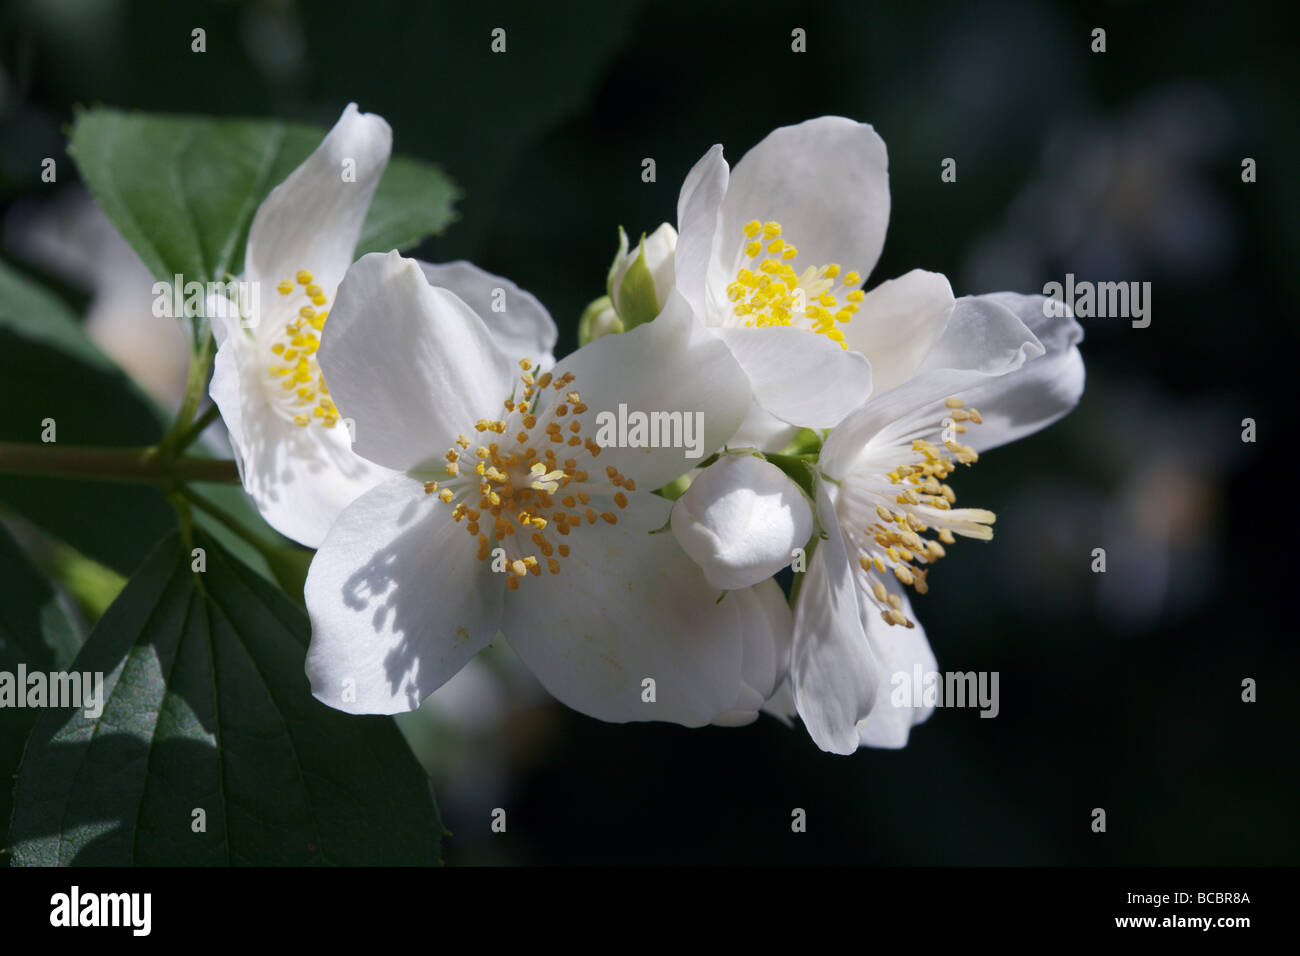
point(629, 605)
point(898, 650)
point(313, 219)
point(826, 181)
point(299, 477)
point(763, 430)
point(670, 365)
point(224, 317)
point(398, 602)
point(224, 389)
point(740, 521)
point(699, 208)
point(767, 631)
point(781, 704)
point(982, 342)
point(898, 323)
point(982, 339)
point(800, 377)
point(1045, 389)
point(410, 364)
point(522, 328)
point(833, 672)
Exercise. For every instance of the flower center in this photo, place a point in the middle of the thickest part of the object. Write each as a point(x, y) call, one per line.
point(518, 493)
point(907, 500)
point(304, 396)
point(773, 293)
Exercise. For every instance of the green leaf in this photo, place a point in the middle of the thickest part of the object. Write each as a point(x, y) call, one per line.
point(36, 631)
point(207, 707)
point(93, 586)
point(414, 200)
point(49, 369)
point(183, 190)
point(34, 311)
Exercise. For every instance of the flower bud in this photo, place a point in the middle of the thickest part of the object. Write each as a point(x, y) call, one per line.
point(599, 318)
point(740, 521)
point(639, 281)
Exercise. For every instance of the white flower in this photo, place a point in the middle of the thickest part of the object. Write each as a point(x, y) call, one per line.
point(505, 515)
point(291, 440)
point(740, 520)
point(772, 255)
point(998, 371)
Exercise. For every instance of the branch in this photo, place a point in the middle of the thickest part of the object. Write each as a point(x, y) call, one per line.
point(138, 465)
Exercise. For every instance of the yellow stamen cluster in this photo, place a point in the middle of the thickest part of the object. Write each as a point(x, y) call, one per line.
point(773, 293)
point(299, 376)
point(519, 483)
point(921, 501)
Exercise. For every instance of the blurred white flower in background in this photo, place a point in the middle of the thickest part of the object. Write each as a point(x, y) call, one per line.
point(486, 724)
point(70, 237)
point(1158, 521)
point(1119, 199)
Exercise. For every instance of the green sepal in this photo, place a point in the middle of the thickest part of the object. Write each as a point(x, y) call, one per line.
point(636, 302)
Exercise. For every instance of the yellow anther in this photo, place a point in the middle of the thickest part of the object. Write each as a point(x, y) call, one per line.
point(775, 295)
point(304, 277)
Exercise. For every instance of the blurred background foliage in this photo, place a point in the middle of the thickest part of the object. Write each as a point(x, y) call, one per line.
point(1121, 690)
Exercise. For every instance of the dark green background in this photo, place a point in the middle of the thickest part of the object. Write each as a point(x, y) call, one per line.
point(1136, 711)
